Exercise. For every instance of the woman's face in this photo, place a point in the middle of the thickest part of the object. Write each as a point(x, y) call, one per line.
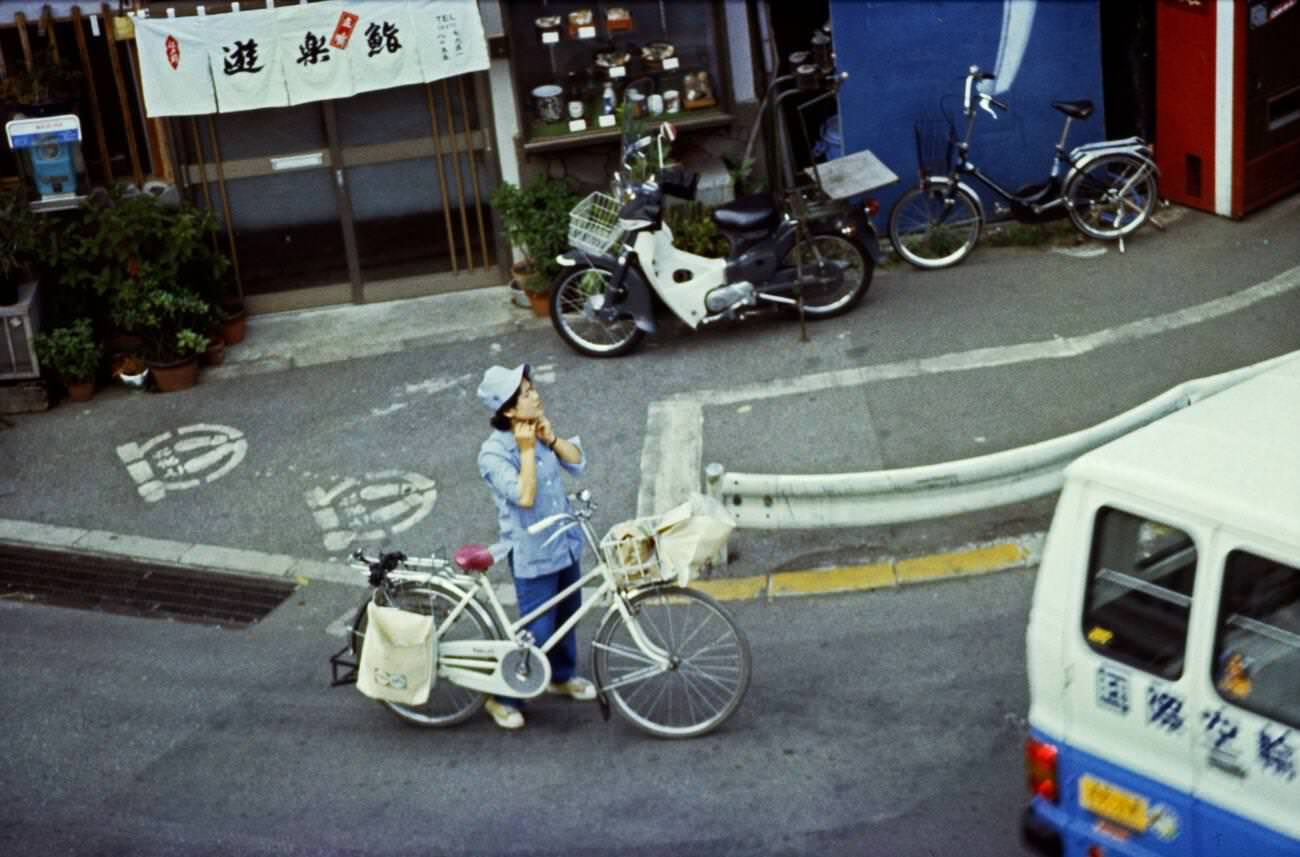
point(528, 407)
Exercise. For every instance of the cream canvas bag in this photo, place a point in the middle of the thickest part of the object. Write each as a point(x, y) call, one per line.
point(397, 657)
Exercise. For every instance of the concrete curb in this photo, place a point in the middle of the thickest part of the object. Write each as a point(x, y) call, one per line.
point(974, 559)
point(1007, 554)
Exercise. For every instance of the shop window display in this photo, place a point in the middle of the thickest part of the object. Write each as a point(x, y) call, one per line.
point(578, 66)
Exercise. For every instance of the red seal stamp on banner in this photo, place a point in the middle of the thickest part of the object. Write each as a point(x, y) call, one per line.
point(173, 48)
point(343, 32)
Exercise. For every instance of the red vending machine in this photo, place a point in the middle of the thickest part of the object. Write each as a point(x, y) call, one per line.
point(1228, 102)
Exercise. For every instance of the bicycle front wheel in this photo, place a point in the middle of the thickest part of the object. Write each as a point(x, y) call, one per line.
point(1111, 196)
point(576, 297)
point(448, 704)
point(933, 226)
point(707, 673)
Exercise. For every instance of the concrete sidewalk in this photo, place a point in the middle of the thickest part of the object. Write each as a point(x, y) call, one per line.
point(312, 337)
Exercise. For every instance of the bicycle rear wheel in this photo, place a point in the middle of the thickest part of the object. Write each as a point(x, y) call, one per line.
point(934, 227)
point(1111, 197)
point(448, 704)
point(709, 668)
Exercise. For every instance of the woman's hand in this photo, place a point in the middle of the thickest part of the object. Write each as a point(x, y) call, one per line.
point(525, 434)
point(545, 433)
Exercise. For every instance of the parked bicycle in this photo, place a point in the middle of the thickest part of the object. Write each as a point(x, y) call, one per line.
point(668, 657)
point(1108, 191)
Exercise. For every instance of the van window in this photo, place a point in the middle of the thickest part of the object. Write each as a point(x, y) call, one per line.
point(1257, 644)
point(1139, 592)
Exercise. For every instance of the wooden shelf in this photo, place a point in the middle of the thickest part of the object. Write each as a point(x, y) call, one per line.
point(555, 135)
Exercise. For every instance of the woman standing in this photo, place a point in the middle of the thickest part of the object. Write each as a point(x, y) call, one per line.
point(521, 461)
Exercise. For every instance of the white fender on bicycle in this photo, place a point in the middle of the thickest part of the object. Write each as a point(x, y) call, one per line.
point(1084, 156)
point(1138, 153)
point(944, 181)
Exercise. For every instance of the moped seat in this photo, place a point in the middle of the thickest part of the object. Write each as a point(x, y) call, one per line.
point(473, 558)
point(747, 214)
point(1074, 109)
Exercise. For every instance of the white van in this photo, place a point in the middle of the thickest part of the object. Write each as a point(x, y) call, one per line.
point(1164, 639)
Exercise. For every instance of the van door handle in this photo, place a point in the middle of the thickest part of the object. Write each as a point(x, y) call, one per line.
point(1231, 768)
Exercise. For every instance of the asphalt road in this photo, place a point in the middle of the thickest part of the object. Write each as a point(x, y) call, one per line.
point(882, 723)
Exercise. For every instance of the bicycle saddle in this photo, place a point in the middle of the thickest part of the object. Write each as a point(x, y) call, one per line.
point(473, 558)
point(1074, 109)
point(755, 211)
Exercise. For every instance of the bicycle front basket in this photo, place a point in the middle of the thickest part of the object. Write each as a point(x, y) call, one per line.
point(935, 142)
point(593, 224)
point(631, 552)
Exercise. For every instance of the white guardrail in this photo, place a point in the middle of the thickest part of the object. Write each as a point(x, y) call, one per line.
point(880, 497)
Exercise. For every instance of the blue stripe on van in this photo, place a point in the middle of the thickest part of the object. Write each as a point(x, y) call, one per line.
point(1079, 828)
point(1203, 829)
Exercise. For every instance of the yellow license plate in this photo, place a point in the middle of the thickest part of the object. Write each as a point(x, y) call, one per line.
point(1113, 803)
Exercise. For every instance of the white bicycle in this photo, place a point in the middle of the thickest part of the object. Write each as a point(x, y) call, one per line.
point(668, 657)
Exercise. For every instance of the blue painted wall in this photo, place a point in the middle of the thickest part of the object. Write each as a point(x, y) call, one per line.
point(901, 56)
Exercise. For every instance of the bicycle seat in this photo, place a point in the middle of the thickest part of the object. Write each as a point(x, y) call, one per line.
point(755, 211)
point(1074, 109)
point(473, 558)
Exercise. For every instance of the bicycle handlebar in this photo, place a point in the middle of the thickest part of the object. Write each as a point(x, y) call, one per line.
point(974, 75)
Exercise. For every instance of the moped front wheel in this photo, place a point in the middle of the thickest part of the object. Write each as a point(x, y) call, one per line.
point(1111, 196)
point(818, 252)
point(708, 667)
point(576, 299)
point(934, 226)
point(448, 703)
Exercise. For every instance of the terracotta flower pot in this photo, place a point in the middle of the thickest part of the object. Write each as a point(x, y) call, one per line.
point(82, 391)
point(234, 324)
point(179, 375)
point(216, 353)
point(540, 302)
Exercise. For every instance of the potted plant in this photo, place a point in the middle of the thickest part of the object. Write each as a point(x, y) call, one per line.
point(536, 221)
point(150, 270)
point(18, 242)
point(72, 355)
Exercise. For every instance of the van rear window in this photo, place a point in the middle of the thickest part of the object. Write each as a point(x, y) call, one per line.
point(1139, 594)
point(1257, 644)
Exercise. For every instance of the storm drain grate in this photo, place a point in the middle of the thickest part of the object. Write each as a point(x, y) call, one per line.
point(136, 588)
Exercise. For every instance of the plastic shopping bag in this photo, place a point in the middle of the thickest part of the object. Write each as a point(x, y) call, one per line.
point(692, 534)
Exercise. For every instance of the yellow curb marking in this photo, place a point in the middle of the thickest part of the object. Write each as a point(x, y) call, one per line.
point(977, 561)
point(733, 589)
point(850, 577)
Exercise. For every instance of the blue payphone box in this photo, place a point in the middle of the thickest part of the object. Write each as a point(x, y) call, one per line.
point(49, 157)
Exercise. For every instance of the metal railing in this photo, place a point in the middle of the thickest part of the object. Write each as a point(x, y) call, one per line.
point(883, 497)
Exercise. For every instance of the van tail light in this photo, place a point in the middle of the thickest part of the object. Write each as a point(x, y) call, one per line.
point(1040, 769)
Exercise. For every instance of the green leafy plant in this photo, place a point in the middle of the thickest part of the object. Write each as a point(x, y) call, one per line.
point(743, 179)
point(146, 269)
point(70, 352)
point(19, 234)
point(694, 230)
point(189, 342)
point(536, 220)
